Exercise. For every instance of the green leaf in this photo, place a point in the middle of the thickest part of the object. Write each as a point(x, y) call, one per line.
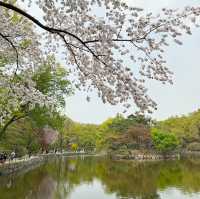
point(25, 43)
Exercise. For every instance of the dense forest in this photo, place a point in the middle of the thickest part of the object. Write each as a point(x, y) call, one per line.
point(118, 135)
point(186, 128)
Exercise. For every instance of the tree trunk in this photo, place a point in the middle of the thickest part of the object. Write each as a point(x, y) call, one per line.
point(3, 130)
point(13, 119)
point(61, 142)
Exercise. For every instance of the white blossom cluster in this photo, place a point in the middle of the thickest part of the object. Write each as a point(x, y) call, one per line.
point(112, 46)
point(20, 56)
point(15, 96)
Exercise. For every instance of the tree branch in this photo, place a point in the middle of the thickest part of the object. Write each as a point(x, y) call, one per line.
point(13, 119)
point(47, 28)
point(14, 47)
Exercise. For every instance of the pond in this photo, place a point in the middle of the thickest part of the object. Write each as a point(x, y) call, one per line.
point(102, 178)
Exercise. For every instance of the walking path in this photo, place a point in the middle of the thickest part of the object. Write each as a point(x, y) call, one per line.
point(16, 160)
point(26, 158)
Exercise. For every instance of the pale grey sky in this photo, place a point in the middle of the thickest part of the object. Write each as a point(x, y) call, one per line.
point(181, 98)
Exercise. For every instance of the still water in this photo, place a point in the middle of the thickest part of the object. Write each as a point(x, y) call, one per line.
point(101, 178)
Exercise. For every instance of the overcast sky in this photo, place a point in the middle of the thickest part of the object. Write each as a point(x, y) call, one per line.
point(181, 98)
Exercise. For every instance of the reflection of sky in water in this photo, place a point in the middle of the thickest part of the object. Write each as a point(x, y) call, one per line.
point(93, 190)
point(173, 193)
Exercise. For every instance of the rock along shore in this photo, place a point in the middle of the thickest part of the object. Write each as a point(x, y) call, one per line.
point(13, 166)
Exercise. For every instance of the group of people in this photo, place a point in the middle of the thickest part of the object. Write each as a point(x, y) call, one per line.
point(4, 157)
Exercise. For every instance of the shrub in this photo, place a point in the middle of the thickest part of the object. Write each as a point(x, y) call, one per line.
point(74, 147)
point(164, 142)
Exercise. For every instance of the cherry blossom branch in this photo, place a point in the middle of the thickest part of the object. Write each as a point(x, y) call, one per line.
point(14, 47)
point(84, 43)
point(152, 29)
point(99, 48)
point(73, 53)
point(71, 50)
point(47, 28)
point(82, 49)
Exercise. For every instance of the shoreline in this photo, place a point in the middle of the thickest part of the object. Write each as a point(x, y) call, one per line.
point(10, 167)
point(24, 163)
point(17, 165)
point(156, 157)
point(141, 157)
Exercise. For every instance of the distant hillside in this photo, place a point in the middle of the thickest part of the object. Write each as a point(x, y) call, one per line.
point(186, 128)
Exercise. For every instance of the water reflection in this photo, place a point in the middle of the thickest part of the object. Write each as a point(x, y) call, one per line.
point(101, 178)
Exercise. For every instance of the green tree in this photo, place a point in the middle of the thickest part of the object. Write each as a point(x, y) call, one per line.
point(52, 83)
point(21, 138)
point(164, 142)
point(186, 128)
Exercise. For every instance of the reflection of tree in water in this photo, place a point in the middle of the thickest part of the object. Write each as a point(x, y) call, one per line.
point(125, 180)
point(46, 188)
point(137, 180)
point(184, 175)
point(128, 180)
point(27, 185)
